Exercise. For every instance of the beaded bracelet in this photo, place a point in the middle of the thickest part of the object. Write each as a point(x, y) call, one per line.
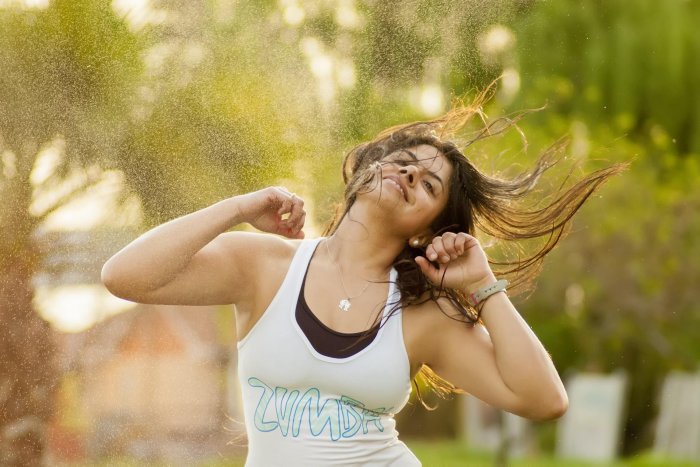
point(474, 299)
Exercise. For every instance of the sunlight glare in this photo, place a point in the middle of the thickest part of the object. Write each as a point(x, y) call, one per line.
point(74, 308)
point(497, 40)
point(9, 163)
point(138, 13)
point(47, 162)
point(346, 15)
point(292, 12)
point(346, 74)
point(510, 84)
point(25, 4)
point(432, 100)
point(98, 208)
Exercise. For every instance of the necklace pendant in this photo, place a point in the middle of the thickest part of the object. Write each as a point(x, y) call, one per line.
point(344, 304)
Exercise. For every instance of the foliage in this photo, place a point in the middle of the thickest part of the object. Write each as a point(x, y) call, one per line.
point(397, 50)
point(620, 288)
point(56, 84)
point(225, 97)
point(223, 117)
point(627, 63)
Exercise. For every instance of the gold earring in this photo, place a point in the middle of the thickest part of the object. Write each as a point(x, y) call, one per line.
point(415, 243)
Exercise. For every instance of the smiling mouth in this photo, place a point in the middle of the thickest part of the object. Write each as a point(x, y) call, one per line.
point(396, 184)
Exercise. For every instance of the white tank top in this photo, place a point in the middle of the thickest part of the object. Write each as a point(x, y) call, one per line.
point(303, 408)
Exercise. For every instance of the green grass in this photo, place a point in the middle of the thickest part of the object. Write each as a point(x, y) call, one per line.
point(451, 454)
point(456, 454)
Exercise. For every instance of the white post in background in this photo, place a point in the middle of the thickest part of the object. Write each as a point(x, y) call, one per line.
point(486, 427)
point(591, 429)
point(678, 425)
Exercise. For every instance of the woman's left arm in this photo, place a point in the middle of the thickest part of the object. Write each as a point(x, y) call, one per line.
point(505, 364)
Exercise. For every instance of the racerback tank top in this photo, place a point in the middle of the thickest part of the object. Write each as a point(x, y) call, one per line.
point(325, 340)
point(303, 408)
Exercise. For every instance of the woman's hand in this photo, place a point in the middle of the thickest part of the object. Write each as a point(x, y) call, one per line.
point(462, 262)
point(266, 209)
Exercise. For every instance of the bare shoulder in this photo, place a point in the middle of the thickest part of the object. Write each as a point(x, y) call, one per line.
point(259, 256)
point(268, 258)
point(258, 246)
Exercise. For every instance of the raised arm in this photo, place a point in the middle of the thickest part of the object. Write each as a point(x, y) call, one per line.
point(191, 261)
point(503, 362)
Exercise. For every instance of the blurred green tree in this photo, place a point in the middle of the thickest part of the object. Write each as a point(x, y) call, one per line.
point(618, 77)
point(215, 98)
point(66, 72)
point(190, 110)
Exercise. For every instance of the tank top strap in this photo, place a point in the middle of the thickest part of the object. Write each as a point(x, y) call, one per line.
point(288, 292)
point(391, 316)
point(284, 301)
point(299, 265)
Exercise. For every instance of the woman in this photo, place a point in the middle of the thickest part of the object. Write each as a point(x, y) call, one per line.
point(332, 330)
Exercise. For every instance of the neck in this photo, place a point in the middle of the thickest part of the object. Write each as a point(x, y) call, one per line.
point(364, 249)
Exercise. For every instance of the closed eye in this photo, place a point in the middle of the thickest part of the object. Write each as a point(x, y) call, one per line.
point(428, 186)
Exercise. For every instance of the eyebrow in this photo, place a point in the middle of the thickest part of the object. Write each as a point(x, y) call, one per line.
point(433, 174)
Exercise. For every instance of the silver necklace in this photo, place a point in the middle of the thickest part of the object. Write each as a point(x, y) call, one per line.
point(344, 303)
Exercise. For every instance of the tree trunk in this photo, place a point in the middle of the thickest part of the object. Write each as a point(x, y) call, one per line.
point(28, 370)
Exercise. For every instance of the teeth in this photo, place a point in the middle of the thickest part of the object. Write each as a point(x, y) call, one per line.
point(397, 186)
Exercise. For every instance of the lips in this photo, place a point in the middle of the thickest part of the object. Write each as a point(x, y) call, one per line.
point(395, 181)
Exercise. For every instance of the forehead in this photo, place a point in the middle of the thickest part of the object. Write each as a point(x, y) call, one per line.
point(429, 157)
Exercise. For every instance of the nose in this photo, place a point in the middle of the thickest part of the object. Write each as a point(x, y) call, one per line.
point(410, 172)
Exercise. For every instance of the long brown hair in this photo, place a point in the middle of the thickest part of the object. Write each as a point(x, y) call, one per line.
point(478, 204)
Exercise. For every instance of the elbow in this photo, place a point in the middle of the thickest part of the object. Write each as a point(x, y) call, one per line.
point(111, 279)
point(125, 283)
point(551, 408)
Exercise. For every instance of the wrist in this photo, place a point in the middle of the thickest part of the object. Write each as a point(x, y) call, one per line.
point(487, 280)
point(479, 296)
point(234, 206)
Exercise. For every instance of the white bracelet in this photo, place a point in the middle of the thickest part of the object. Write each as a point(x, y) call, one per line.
point(485, 292)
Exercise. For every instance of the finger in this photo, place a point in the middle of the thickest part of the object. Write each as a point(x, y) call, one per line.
point(448, 243)
point(441, 255)
point(299, 224)
point(288, 214)
point(291, 228)
point(430, 252)
point(285, 191)
point(285, 208)
point(460, 243)
point(470, 241)
point(430, 271)
point(297, 210)
point(292, 232)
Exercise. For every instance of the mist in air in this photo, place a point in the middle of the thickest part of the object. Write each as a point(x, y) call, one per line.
point(116, 116)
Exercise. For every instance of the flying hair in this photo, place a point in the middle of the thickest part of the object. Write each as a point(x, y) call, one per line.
point(490, 207)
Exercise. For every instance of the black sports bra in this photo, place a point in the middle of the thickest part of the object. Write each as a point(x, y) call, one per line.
point(325, 340)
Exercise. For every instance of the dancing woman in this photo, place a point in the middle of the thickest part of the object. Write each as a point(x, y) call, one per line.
point(332, 330)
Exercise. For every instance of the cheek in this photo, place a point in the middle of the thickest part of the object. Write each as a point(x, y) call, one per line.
point(427, 211)
point(436, 211)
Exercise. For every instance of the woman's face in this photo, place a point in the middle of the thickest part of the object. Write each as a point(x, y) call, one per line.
point(414, 188)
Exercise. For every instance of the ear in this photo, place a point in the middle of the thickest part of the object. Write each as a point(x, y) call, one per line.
point(421, 239)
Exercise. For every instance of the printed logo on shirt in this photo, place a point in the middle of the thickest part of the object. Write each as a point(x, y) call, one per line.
point(285, 410)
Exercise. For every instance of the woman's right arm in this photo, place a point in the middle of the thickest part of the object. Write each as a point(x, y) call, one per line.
point(191, 261)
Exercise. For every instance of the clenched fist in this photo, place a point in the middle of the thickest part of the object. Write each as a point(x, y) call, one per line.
point(274, 210)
